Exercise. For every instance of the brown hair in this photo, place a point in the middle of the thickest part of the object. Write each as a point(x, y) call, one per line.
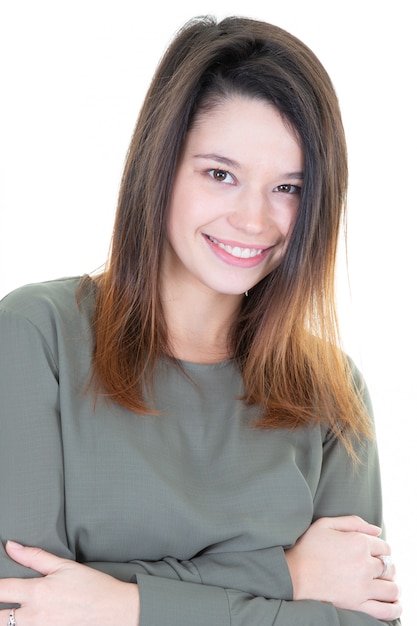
point(285, 339)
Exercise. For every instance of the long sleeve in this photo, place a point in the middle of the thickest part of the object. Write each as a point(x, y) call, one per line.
point(346, 488)
point(168, 598)
point(188, 604)
point(257, 572)
point(32, 484)
point(32, 506)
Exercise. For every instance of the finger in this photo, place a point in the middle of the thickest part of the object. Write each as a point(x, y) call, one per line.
point(379, 547)
point(5, 616)
point(385, 611)
point(388, 568)
point(35, 558)
point(21, 616)
point(14, 590)
point(385, 591)
point(350, 523)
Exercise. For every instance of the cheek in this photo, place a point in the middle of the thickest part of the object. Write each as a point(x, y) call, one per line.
point(177, 213)
point(180, 225)
point(284, 225)
point(181, 209)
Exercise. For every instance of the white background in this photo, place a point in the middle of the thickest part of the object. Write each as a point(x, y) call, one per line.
point(73, 76)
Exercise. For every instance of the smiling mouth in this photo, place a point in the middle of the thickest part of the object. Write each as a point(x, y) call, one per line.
point(237, 251)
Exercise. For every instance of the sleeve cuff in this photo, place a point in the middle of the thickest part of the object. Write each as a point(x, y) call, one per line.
point(178, 603)
point(258, 572)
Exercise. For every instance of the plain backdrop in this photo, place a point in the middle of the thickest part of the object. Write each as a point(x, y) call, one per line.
point(73, 76)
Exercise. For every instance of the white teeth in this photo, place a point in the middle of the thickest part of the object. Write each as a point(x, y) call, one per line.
point(240, 253)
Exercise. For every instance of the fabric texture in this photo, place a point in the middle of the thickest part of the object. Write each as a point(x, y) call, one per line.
point(194, 505)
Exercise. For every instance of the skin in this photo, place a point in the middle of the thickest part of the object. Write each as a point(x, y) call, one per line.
point(69, 593)
point(240, 188)
point(244, 197)
point(351, 547)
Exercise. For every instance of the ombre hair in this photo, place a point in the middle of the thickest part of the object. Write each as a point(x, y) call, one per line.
point(285, 339)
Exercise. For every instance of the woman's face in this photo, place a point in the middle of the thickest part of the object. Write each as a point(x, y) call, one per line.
point(235, 198)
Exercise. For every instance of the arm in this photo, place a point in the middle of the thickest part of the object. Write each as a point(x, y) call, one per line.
point(346, 489)
point(72, 593)
point(31, 498)
point(257, 572)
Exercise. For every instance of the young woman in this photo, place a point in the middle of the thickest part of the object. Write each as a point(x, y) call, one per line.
point(183, 441)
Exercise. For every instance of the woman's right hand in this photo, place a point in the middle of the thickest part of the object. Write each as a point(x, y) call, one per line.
point(337, 560)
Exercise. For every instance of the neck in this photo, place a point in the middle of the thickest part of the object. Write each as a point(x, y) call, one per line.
point(199, 325)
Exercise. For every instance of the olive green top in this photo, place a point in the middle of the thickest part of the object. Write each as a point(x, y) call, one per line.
point(194, 505)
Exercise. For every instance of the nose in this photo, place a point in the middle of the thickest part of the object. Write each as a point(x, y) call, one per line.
point(251, 213)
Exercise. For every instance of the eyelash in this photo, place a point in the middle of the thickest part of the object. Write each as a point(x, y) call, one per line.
point(213, 172)
point(223, 174)
point(290, 189)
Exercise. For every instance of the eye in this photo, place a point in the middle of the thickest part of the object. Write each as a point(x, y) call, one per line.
point(288, 189)
point(221, 176)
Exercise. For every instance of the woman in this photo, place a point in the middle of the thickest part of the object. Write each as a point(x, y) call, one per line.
point(184, 442)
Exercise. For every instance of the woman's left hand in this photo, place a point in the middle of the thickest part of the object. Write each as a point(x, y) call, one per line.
point(68, 593)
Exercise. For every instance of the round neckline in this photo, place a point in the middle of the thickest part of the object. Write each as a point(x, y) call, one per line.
point(191, 365)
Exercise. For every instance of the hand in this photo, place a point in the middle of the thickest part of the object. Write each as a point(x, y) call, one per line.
point(68, 593)
point(336, 561)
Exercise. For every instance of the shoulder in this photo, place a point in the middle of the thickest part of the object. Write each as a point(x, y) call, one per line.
point(37, 299)
point(50, 305)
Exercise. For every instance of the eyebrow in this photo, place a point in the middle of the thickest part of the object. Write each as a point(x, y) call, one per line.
point(220, 159)
point(231, 163)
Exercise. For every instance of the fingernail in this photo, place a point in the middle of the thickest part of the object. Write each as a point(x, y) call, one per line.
point(14, 544)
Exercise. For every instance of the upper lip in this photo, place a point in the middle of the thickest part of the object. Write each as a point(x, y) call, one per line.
point(239, 244)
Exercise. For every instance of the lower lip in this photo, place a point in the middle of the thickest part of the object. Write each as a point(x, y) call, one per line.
point(237, 261)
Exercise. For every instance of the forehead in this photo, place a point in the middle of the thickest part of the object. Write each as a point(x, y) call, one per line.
point(243, 126)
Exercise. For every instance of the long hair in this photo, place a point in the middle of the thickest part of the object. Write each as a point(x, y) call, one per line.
point(285, 338)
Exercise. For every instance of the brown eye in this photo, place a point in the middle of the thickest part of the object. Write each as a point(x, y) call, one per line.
point(219, 174)
point(288, 188)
